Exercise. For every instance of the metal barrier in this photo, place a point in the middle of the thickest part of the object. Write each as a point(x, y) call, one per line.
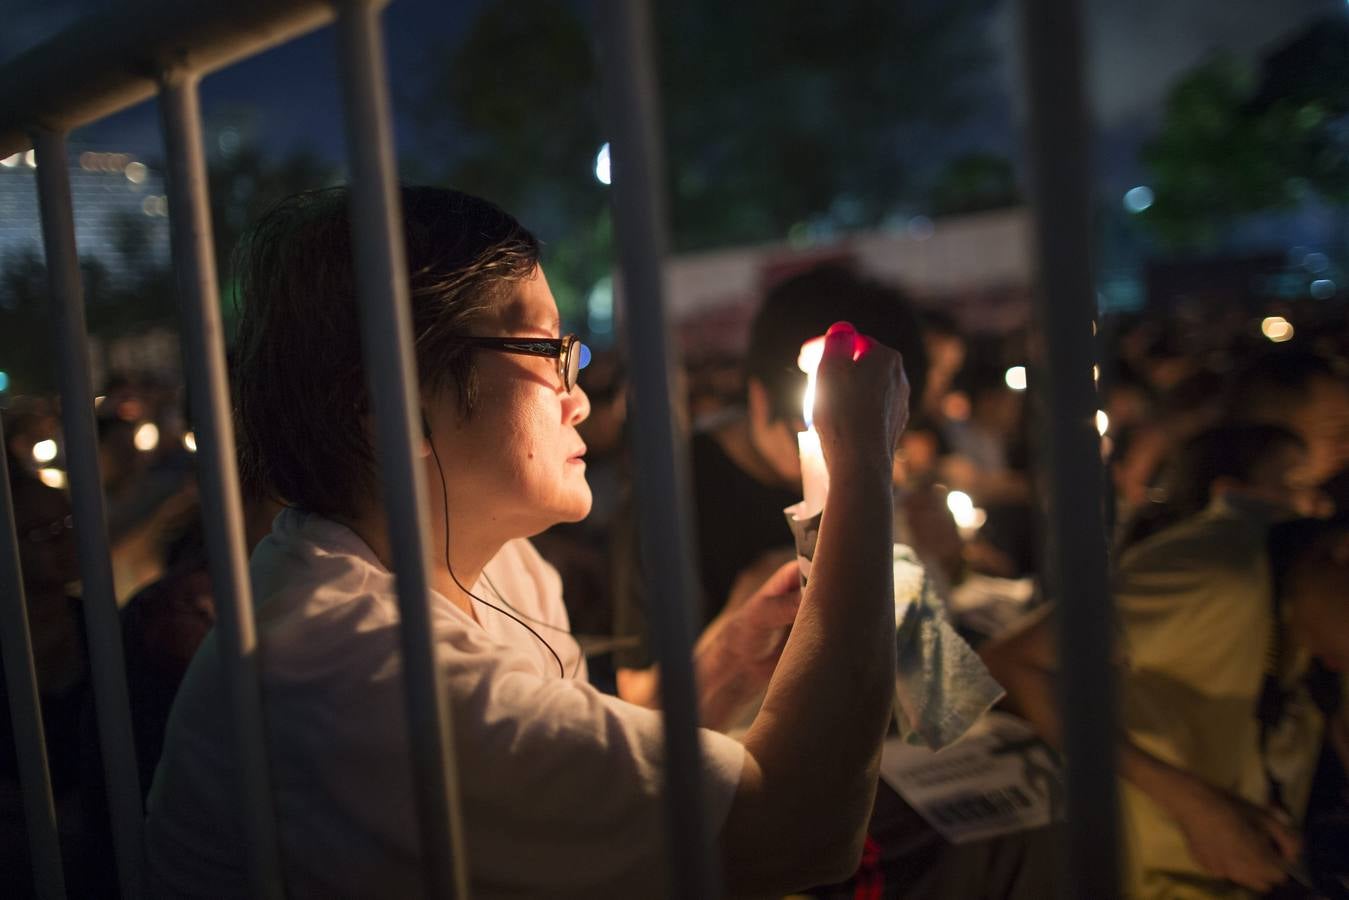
point(386, 324)
point(1075, 561)
point(631, 103)
point(16, 646)
point(222, 509)
point(116, 741)
point(110, 62)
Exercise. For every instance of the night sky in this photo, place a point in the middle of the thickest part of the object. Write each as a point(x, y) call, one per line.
point(294, 87)
point(1136, 50)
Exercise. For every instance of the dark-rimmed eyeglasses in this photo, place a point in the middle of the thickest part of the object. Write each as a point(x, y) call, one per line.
point(572, 356)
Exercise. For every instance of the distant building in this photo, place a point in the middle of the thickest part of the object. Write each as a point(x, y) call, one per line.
point(121, 212)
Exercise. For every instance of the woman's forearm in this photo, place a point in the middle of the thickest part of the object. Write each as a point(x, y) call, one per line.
point(816, 740)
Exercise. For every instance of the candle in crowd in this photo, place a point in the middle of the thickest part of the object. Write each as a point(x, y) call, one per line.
point(814, 475)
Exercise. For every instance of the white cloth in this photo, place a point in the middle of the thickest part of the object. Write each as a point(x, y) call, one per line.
point(559, 781)
point(941, 685)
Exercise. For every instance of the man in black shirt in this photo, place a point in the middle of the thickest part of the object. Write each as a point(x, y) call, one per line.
point(745, 471)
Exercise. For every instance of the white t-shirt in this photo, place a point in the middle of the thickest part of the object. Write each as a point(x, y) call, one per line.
point(560, 782)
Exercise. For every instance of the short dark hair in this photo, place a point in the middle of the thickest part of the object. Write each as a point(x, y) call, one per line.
point(1270, 384)
point(804, 306)
point(299, 376)
point(1234, 450)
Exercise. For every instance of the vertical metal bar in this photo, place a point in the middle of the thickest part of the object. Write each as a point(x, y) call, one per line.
point(91, 530)
point(25, 710)
point(222, 510)
point(1059, 136)
point(386, 324)
point(632, 107)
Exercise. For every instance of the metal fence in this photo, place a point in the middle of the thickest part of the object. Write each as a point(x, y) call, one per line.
point(162, 48)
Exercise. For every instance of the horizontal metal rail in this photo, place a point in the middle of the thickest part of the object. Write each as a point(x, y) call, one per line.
point(110, 61)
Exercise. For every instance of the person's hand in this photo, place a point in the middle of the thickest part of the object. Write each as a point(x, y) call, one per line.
point(934, 531)
point(756, 624)
point(737, 654)
point(1238, 841)
point(861, 401)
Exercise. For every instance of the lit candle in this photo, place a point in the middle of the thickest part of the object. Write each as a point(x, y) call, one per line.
point(814, 475)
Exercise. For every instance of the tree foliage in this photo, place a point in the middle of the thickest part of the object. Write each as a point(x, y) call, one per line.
point(243, 185)
point(1238, 139)
point(773, 113)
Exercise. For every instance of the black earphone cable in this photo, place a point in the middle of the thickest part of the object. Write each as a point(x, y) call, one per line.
point(549, 625)
point(445, 501)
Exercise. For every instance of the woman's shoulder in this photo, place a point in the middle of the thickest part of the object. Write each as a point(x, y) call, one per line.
point(311, 576)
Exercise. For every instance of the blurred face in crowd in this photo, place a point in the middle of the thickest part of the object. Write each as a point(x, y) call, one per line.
point(46, 539)
point(1281, 481)
point(1319, 607)
point(774, 439)
point(1322, 421)
point(999, 410)
point(945, 356)
point(516, 465)
point(917, 458)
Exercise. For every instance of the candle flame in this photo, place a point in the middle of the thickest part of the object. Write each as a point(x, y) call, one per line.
point(808, 402)
point(812, 351)
point(808, 361)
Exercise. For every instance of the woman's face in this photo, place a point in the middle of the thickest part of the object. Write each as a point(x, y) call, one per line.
point(516, 465)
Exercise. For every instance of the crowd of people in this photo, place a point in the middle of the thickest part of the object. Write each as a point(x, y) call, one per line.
point(1227, 458)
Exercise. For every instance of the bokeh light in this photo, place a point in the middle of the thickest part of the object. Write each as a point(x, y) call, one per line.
point(602, 171)
point(1138, 199)
point(147, 437)
point(1277, 329)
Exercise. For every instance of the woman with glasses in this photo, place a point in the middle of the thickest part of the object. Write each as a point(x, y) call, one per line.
point(560, 783)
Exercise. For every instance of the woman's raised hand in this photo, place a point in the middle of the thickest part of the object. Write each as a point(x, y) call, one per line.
point(861, 401)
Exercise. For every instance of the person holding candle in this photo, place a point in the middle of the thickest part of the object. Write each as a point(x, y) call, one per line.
point(561, 784)
point(746, 472)
point(747, 469)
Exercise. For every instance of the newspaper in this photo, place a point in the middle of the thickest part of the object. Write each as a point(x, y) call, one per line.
point(998, 779)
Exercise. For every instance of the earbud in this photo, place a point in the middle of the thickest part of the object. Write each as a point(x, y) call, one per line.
point(427, 448)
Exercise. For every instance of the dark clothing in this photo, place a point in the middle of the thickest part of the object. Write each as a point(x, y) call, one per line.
point(737, 520)
point(911, 860)
point(162, 627)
